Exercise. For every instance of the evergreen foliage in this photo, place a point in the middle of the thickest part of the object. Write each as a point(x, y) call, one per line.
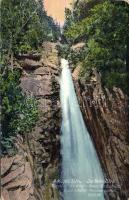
point(19, 113)
point(105, 30)
point(24, 26)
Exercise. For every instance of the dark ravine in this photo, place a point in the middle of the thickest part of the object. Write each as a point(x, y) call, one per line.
point(107, 117)
point(29, 175)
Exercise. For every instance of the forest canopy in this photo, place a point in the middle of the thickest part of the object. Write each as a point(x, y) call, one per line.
point(104, 27)
point(25, 25)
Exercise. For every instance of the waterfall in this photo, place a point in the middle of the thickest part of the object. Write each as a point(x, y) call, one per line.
point(81, 171)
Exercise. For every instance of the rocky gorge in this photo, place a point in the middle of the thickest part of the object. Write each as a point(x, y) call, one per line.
point(30, 174)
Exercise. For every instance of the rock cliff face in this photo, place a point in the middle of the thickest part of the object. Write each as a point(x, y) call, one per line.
point(107, 118)
point(30, 174)
point(16, 178)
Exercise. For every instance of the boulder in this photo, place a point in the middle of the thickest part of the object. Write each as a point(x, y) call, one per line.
point(29, 64)
point(17, 180)
point(33, 56)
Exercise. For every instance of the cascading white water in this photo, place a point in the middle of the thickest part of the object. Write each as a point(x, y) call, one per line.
point(81, 171)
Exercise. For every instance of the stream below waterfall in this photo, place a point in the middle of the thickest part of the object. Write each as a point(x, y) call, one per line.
point(81, 172)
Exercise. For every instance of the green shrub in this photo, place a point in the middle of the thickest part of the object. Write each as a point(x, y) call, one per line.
point(105, 30)
point(118, 80)
point(19, 113)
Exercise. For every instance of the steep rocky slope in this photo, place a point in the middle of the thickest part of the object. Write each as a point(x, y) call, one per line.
point(16, 178)
point(107, 117)
point(30, 174)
